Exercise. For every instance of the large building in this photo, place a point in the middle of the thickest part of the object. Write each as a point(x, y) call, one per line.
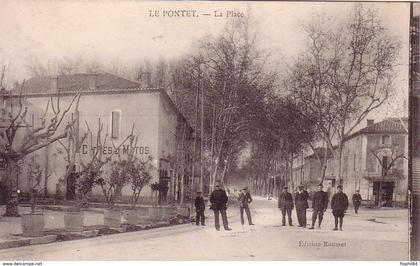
point(120, 105)
point(374, 160)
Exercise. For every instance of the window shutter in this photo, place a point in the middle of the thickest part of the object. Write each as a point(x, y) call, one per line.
point(115, 129)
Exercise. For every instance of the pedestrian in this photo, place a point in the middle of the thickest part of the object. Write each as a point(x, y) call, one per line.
point(319, 206)
point(218, 200)
point(339, 204)
point(244, 200)
point(301, 203)
point(285, 204)
point(200, 207)
point(357, 201)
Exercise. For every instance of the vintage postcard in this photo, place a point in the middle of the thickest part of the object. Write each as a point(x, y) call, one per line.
point(209, 131)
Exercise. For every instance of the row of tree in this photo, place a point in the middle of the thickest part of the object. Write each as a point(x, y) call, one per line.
point(229, 83)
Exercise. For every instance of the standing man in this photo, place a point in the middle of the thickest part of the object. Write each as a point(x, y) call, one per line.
point(339, 204)
point(357, 200)
point(285, 204)
point(301, 203)
point(319, 206)
point(218, 200)
point(199, 208)
point(244, 200)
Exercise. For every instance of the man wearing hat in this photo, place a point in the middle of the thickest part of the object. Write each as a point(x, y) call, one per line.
point(244, 200)
point(200, 207)
point(219, 199)
point(319, 206)
point(339, 204)
point(301, 203)
point(357, 200)
point(285, 204)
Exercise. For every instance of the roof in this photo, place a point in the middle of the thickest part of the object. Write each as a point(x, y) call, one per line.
point(77, 82)
point(392, 125)
point(100, 83)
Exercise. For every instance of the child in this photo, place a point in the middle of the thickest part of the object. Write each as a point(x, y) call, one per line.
point(199, 208)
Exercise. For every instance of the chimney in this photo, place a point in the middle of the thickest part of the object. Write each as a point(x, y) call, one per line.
point(92, 81)
point(54, 84)
point(370, 122)
point(144, 79)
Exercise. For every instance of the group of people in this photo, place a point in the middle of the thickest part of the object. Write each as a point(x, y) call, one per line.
point(339, 205)
point(219, 200)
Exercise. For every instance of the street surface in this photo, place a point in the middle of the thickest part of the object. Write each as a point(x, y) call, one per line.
point(372, 235)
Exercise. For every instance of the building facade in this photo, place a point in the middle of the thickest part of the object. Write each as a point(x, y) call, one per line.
point(122, 107)
point(374, 161)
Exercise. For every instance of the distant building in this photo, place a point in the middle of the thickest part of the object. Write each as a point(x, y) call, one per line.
point(374, 158)
point(164, 133)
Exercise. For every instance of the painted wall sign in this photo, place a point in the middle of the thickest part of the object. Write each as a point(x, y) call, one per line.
point(124, 150)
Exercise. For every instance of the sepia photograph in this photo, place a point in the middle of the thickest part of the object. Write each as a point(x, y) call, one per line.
point(209, 131)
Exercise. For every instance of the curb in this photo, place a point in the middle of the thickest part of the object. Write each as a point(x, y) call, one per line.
point(20, 241)
point(25, 241)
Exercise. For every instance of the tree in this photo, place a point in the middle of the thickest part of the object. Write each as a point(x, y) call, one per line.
point(88, 170)
point(132, 170)
point(19, 138)
point(139, 177)
point(33, 171)
point(388, 158)
point(228, 72)
point(282, 133)
point(346, 72)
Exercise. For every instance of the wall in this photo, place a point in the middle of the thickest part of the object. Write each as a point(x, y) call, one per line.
point(141, 108)
point(353, 168)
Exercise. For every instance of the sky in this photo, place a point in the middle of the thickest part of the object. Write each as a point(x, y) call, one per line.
point(124, 31)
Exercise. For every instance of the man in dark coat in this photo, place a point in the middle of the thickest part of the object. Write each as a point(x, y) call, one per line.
point(339, 204)
point(285, 204)
point(244, 200)
point(200, 207)
point(218, 200)
point(301, 203)
point(319, 206)
point(357, 200)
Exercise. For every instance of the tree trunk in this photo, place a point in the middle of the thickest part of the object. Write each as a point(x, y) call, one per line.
point(324, 163)
point(291, 174)
point(380, 192)
point(323, 172)
point(13, 201)
point(46, 175)
point(340, 157)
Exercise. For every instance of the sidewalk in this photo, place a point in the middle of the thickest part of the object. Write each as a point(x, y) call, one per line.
point(372, 226)
point(11, 228)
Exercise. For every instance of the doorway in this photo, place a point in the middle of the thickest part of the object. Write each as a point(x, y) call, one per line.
point(71, 186)
point(384, 200)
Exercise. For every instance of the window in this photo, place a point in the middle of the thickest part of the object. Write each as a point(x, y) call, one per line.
point(115, 124)
point(385, 140)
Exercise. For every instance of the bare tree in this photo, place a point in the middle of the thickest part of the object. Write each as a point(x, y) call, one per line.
point(18, 138)
point(228, 74)
point(388, 158)
point(87, 169)
point(345, 74)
